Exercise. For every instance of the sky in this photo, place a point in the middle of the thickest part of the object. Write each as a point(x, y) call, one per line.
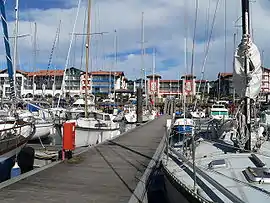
point(167, 25)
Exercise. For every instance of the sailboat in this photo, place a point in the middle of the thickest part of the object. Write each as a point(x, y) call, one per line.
point(92, 119)
point(232, 166)
point(14, 132)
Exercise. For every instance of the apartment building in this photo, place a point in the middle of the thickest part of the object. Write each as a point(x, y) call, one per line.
point(104, 82)
point(187, 85)
point(224, 84)
point(265, 89)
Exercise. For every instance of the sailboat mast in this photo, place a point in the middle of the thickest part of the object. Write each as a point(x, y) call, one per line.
point(154, 82)
point(143, 70)
point(15, 43)
point(87, 46)
point(35, 56)
point(234, 48)
point(246, 33)
point(115, 64)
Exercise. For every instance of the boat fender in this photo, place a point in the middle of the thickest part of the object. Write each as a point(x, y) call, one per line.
point(5, 168)
point(25, 159)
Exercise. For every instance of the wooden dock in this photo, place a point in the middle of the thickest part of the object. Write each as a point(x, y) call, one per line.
point(106, 173)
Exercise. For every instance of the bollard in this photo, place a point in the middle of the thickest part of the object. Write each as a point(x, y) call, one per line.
point(68, 141)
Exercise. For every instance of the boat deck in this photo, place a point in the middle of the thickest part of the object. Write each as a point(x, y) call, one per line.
point(107, 173)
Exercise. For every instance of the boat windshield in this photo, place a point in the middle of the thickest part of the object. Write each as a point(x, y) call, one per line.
point(107, 118)
point(218, 106)
point(99, 116)
point(184, 115)
point(219, 113)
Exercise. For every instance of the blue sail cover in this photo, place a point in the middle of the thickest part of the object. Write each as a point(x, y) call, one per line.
point(183, 129)
point(8, 55)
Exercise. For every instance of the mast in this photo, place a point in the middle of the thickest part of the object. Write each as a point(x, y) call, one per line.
point(246, 34)
point(142, 57)
point(15, 52)
point(234, 48)
point(87, 47)
point(115, 58)
point(35, 56)
point(154, 67)
point(7, 47)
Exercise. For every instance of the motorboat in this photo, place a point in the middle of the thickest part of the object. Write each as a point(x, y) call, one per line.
point(219, 112)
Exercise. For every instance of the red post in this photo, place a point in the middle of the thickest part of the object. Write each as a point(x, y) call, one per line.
point(68, 143)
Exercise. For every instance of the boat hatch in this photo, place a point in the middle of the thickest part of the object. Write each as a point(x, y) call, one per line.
point(99, 125)
point(257, 162)
point(260, 175)
point(217, 163)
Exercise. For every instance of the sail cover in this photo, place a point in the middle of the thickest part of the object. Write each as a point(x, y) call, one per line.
point(6, 42)
point(254, 77)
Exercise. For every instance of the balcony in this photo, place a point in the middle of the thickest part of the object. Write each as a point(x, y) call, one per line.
point(69, 78)
point(102, 80)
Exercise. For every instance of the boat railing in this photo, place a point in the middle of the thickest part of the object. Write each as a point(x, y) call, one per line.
point(15, 127)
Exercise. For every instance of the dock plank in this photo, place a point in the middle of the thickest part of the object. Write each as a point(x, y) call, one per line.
point(107, 173)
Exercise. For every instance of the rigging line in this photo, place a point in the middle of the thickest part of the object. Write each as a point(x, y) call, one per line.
point(208, 45)
point(103, 58)
point(225, 35)
point(69, 50)
point(186, 18)
point(83, 39)
point(101, 49)
point(234, 147)
point(206, 36)
point(194, 37)
point(53, 47)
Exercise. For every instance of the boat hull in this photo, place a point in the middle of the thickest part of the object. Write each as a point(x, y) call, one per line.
point(176, 192)
point(42, 130)
point(12, 146)
point(92, 124)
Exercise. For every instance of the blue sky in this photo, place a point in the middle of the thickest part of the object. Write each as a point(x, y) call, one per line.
point(164, 30)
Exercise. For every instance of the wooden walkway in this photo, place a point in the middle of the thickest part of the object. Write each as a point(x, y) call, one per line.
point(107, 173)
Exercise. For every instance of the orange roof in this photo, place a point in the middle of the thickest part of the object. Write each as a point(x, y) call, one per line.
point(170, 80)
point(117, 73)
point(225, 74)
point(155, 75)
point(47, 73)
point(188, 76)
point(18, 71)
point(266, 69)
point(197, 81)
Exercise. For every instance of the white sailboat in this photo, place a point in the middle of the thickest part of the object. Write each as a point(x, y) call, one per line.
point(229, 167)
point(78, 107)
point(90, 118)
point(14, 132)
point(44, 127)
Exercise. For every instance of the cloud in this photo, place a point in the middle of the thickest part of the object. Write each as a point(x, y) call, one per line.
point(165, 30)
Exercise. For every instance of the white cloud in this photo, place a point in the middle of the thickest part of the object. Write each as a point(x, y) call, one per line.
point(164, 29)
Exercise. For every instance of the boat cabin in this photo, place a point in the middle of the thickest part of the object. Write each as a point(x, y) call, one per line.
point(218, 111)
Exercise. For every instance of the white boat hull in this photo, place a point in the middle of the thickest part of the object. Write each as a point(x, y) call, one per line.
point(43, 131)
point(131, 117)
point(90, 123)
point(84, 137)
point(197, 114)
